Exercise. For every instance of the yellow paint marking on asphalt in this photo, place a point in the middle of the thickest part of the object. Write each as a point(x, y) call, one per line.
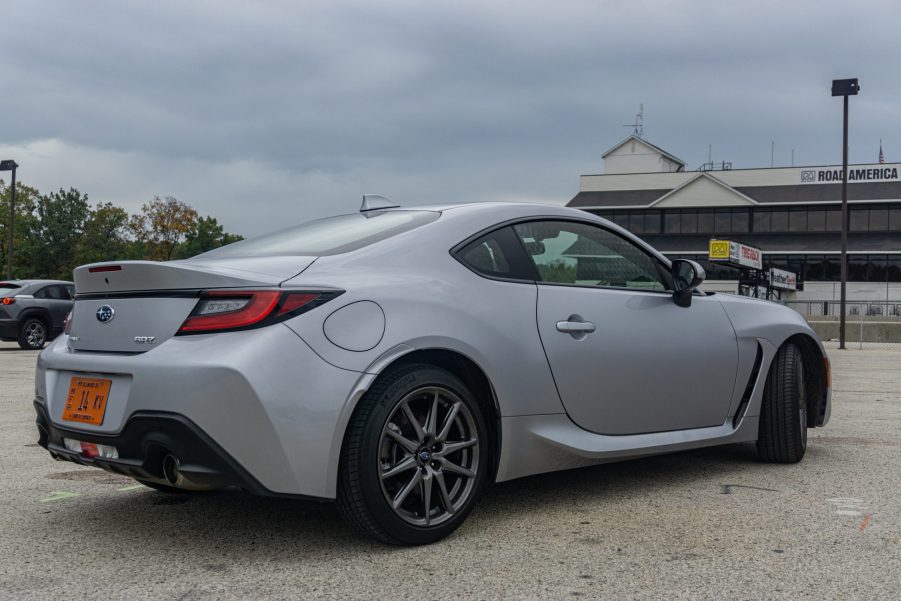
point(132, 487)
point(59, 495)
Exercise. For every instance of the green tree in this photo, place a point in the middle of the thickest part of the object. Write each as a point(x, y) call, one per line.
point(207, 235)
point(61, 218)
point(23, 229)
point(161, 226)
point(105, 236)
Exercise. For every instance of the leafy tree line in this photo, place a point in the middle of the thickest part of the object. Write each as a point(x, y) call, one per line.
point(56, 232)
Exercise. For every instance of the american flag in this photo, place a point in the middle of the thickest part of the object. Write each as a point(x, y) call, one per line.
point(881, 156)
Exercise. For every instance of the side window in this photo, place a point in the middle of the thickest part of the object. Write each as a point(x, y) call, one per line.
point(70, 292)
point(585, 255)
point(42, 293)
point(57, 292)
point(497, 254)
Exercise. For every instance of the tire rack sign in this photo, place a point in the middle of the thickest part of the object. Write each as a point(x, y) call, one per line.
point(779, 278)
point(735, 253)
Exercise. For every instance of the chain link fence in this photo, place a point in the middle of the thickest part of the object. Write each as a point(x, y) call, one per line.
point(868, 324)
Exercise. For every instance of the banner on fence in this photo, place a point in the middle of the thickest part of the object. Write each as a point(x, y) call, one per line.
point(784, 280)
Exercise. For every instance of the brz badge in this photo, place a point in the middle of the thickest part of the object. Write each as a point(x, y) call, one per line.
point(144, 339)
point(105, 314)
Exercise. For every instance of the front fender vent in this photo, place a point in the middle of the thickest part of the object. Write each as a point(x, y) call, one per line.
point(749, 388)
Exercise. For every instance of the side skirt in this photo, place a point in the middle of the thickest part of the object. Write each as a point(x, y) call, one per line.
point(535, 444)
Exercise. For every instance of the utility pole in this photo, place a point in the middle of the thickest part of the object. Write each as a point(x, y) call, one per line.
point(10, 165)
point(844, 88)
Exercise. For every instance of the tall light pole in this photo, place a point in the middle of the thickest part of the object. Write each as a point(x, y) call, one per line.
point(844, 88)
point(10, 165)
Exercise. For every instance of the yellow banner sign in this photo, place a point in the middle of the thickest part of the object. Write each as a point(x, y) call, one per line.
point(719, 249)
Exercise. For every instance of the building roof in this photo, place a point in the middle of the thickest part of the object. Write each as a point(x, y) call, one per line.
point(763, 194)
point(649, 145)
point(704, 176)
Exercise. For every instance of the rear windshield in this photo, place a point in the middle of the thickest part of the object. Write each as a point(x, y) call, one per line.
point(329, 236)
point(9, 289)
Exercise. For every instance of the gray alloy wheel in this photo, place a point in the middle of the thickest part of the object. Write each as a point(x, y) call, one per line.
point(415, 456)
point(782, 436)
point(33, 334)
point(428, 456)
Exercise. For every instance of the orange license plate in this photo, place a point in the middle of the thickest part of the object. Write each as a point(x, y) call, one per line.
point(86, 401)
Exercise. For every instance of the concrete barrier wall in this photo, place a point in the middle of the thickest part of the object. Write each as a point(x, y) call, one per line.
point(870, 329)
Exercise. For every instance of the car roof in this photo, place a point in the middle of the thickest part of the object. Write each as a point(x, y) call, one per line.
point(482, 206)
point(24, 283)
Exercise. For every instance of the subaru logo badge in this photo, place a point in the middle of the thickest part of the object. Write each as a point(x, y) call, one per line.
point(424, 455)
point(105, 314)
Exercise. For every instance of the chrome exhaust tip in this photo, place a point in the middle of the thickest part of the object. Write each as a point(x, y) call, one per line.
point(174, 477)
point(170, 470)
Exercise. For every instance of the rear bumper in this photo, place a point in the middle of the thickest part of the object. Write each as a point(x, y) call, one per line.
point(9, 328)
point(143, 443)
point(256, 409)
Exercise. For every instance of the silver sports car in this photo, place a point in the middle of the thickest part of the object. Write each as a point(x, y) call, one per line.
point(399, 360)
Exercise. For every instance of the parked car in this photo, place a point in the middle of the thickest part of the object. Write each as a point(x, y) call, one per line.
point(33, 312)
point(398, 360)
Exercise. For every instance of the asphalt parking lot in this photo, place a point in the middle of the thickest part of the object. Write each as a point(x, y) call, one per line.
point(711, 524)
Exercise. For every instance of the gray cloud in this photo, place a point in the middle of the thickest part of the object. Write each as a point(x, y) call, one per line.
point(252, 110)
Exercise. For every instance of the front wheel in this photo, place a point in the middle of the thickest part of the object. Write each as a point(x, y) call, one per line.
point(415, 457)
point(782, 437)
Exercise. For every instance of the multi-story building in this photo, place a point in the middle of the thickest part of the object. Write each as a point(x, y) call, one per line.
point(793, 214)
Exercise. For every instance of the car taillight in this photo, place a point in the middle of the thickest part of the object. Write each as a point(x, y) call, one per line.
point(67, 323)
point(8, 300)
point(222, 310)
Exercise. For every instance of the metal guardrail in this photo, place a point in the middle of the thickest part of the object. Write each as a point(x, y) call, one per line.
point(869, 324)
point(829, 308)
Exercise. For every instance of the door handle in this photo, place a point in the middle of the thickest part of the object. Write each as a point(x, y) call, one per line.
point(576, 327)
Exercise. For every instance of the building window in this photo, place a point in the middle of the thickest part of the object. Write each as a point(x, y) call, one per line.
point(723, 221)
point(672, 223)
point(858, 218)
point(893, 269)
point(652, 222)
point(834, 219)
point(815, 268)
point(777, 261)
point(761, 220)
point(878, 218)
point(797, 219)
point(740, 221)
point(894, 218)
point(816, 219)
point(833, 268)
point(876, 266)
point(779, 220)
point(857, 268)
point(636, 222)
point(705, 221)
point(689, 221)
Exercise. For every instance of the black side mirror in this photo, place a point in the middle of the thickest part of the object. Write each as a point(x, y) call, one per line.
point(687, 276)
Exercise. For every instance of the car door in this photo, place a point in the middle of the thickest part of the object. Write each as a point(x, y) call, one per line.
point(626, 359)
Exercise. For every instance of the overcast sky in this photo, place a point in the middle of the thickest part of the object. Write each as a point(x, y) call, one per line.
point(268, 113)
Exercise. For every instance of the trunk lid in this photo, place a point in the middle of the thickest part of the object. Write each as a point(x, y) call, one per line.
point(134, 306)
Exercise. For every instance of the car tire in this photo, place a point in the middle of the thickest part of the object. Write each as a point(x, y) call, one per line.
point(409, 485)
point(782, 437)
point(32, 334)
